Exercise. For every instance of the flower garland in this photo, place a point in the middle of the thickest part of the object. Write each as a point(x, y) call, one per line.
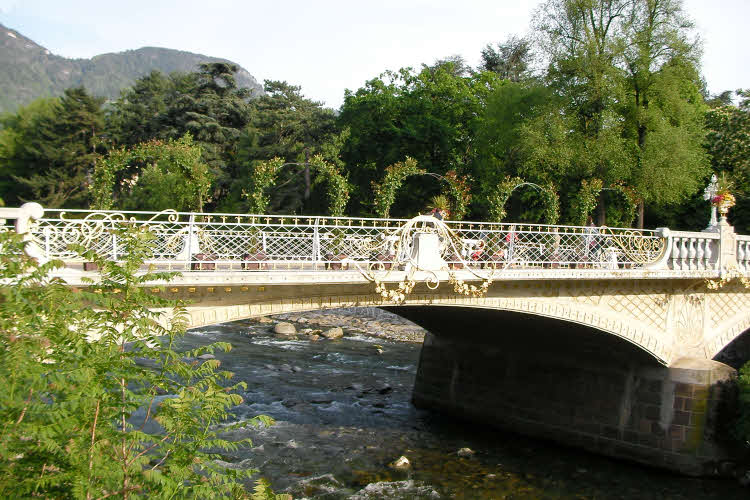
point(397, 295)
point(731, 273)
point(460, 286)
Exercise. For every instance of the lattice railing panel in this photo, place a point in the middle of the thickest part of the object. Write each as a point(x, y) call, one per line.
point(230, 240)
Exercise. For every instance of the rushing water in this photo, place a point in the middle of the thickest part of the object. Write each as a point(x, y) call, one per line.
point(343, 413)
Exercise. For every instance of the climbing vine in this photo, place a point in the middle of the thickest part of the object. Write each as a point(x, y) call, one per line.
point(178, 158)
point(551, 211)
point(385, 191)
point(459, 192)
point(263, 176)
point(500, 196)
point(588, 196)
point(585, 201)
point(338, 186)
point(631, 200)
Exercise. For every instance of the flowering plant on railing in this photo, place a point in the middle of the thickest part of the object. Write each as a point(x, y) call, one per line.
point(722, 197)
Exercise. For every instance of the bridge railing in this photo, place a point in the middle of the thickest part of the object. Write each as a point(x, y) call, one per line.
point(216, 241)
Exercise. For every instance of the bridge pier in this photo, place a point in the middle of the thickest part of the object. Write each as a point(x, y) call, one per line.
point(571, 384)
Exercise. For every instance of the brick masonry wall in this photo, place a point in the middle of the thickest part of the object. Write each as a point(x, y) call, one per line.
point(571, 384)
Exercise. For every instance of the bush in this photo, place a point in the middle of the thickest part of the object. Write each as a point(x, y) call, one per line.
point(78, 364)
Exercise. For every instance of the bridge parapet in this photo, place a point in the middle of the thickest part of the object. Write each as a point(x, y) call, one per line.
point(259, 243)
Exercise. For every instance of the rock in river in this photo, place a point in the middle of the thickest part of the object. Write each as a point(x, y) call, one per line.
point(284, 328)
point(333, 333)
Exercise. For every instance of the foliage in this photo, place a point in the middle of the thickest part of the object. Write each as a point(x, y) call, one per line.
point(742, 426)
point(510, 60)
point(97, 401)
point(48, 150)
point(284, 124)
point(728, 146)
point(632, 110)
point(499, 197)
point(207, 104)
point(385, 191)
point(338, 186)
point(459, 191)
point(585, 201)
point(155, 175)
point(263, 176)
point(431, 115)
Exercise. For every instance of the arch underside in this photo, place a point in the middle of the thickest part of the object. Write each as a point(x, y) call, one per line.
point(563, 311)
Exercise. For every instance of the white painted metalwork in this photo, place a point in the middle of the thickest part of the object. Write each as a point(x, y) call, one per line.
point(204, 241)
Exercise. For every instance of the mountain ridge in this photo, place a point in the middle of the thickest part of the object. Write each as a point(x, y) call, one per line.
point(30, 71)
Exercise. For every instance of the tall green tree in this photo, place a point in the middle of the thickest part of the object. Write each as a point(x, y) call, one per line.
point(664, 111)
point(206, 104)
point(289, 126)
point(728, 146)
point(431, 115)
point(631, 108)
point(510, 59)
point(48, 150)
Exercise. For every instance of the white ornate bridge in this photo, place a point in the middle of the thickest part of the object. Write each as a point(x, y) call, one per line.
point(650, 287)
point(678, 296)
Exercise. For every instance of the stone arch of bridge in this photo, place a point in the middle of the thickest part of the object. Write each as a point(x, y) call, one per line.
point(623, 328)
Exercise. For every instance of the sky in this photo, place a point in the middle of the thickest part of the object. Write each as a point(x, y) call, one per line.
point(327, 46)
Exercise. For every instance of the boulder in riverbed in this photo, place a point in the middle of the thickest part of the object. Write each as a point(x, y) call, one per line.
point(284, 328)
point(333, 333)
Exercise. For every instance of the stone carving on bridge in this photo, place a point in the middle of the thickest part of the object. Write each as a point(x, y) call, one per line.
point(689, 313)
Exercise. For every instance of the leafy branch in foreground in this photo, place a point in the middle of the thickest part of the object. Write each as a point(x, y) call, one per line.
point(97, 402)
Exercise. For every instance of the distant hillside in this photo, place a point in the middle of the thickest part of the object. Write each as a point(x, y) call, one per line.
point(29, 71)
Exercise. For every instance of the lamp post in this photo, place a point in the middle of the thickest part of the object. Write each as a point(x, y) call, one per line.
point(708, 194)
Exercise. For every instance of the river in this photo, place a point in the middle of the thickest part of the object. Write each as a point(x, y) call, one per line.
point(343, 413)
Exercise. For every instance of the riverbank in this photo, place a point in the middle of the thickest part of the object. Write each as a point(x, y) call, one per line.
point(369, 321)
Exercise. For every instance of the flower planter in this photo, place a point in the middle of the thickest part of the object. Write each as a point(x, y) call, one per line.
point(334, 262)
point(199, 263)
point(254, 261)
point(385, 261)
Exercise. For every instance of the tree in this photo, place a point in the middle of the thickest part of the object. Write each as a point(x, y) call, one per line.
point(206, 104)
point(664, 111)
point(288, 126)
point(155, 175)
point(48, 150)
point(511, 59)
point(431, 115)
point(631, 105)
point(80, 365)
point(728, 146)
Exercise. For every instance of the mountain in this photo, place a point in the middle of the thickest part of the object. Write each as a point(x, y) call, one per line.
point(29, 71)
